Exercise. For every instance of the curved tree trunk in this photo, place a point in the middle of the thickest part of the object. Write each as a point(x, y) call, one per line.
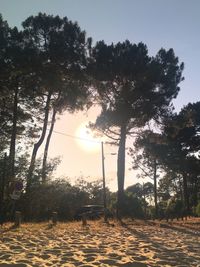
point(38, 144)
point(13, 136)
point(121, 169)
point(47, 146)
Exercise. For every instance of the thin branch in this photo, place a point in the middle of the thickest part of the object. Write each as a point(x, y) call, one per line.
point(113, 132)
point(141, 168)
point(116, 139)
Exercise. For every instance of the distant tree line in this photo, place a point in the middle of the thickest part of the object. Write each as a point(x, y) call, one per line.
point(172, 157)
point(50, 67)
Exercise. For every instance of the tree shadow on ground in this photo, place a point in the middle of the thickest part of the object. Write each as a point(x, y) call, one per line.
point(167, 255)
point(181, 229)
point(10, 228)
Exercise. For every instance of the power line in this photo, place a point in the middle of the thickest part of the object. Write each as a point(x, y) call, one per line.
point(76, 137)
point(71, 136)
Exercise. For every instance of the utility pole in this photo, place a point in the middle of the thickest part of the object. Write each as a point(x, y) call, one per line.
point(155, 188)
point(104, 181)
point(3, 190)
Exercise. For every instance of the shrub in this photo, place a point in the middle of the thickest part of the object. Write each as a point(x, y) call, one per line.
point(174, 208)
point(132, 206)
point(197, 210)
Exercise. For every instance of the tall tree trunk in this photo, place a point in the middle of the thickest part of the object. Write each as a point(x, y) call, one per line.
point(185, 193)
point(13, 136)
point(121, 169)
point(53, 119)
point(180, 188)
point(38, 144)
point(155, 187)
point(2, 189)
point(144, 197)
point(195, 192)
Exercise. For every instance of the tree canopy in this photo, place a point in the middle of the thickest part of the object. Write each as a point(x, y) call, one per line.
point(176, 149)
point(133, 89)
point(50, 66)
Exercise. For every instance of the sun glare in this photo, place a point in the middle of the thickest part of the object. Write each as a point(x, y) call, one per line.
point(86, 139)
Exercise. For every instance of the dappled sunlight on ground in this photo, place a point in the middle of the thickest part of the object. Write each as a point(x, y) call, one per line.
point(134, 243)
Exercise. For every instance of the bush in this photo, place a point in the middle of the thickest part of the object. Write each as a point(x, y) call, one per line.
point(197, 210)
point(132, 206)
point(174, 208)
point(59, 196)
point(162, 206)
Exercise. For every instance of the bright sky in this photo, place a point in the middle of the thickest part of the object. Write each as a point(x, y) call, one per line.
point(157, 23)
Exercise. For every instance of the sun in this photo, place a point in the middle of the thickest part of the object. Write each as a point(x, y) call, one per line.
point(86, 139)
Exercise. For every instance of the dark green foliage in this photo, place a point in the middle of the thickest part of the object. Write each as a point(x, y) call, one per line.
point(62, 56)
point(145, 158)
point(197, 209)
point(44, 199)
point(136, 189)
point(60, 70)
point(133, 88)
point(16, 97)
point(144, 190)
point(49, 67)
point(175, 208)
point(60, 196)
point(133, 206)
point(176, 149)
point(180, 147)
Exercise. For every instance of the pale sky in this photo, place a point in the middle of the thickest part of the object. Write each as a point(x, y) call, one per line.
point(157, 23)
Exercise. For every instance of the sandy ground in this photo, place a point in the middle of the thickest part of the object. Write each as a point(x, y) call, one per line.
point(134, 244)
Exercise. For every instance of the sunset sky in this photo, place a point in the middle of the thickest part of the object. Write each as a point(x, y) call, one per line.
point(157, 23)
